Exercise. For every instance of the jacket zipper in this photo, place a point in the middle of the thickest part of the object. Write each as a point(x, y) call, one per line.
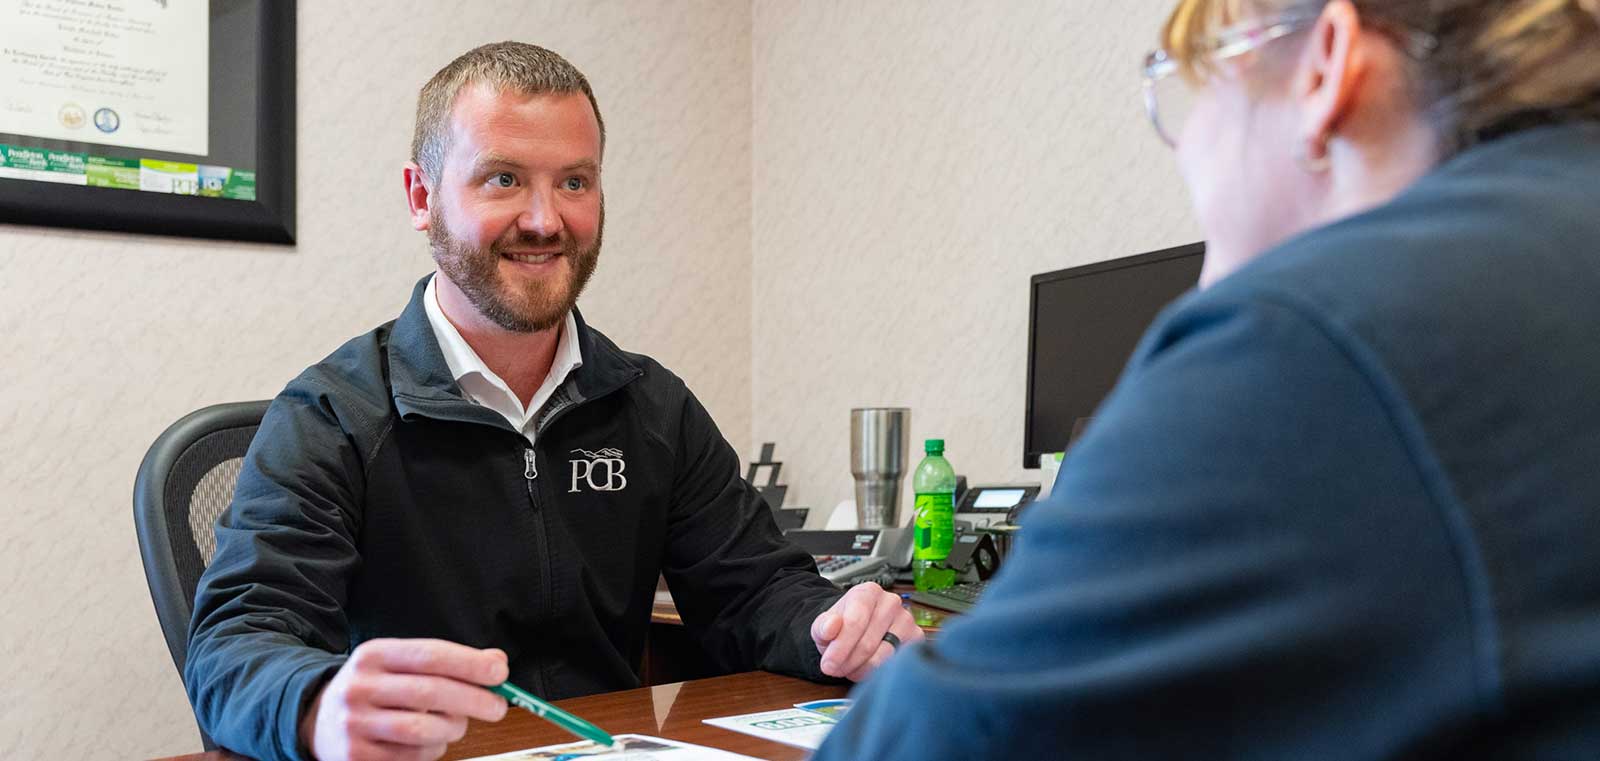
point(567, 406)
point(530, 472)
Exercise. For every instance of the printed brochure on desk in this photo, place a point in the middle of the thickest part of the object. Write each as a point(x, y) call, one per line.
point(634, 748)
point(804, 726)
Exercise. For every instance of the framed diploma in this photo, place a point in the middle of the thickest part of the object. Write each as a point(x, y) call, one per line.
point(173, 117)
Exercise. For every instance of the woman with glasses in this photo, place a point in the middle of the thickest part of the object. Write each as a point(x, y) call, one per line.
point(1345, 501)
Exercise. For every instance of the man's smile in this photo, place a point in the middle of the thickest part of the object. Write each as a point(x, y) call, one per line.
point(531, 257)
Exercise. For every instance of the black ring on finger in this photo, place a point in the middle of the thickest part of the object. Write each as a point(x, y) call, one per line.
point(894, 642)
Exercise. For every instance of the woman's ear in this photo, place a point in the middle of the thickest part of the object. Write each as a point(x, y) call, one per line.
point(1329, 76)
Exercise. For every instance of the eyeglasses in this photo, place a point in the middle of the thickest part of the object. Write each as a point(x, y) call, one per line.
point(1169, 100)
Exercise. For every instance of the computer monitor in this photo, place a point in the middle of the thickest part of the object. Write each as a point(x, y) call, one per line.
point(1083, 325)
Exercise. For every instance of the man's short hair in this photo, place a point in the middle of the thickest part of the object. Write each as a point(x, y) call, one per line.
point(507, 66)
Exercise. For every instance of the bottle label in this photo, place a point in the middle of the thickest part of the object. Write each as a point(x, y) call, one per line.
point(934, 525)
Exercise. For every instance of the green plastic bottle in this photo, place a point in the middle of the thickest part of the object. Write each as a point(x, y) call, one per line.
point(934, 524)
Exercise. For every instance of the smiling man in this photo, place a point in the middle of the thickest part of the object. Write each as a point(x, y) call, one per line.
point(487, 488)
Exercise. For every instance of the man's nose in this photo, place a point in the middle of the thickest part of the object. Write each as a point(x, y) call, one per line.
point(542, 217)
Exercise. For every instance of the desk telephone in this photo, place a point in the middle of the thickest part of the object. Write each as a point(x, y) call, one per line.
point(850, 557)
point(855, 556)
point(983, 506)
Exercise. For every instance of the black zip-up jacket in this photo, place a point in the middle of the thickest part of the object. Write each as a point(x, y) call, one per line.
point(378, 501)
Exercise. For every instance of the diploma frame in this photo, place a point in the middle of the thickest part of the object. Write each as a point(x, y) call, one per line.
point(268, 219)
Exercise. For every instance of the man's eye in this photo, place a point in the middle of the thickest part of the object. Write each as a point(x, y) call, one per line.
point(503, 180)
point(575, 184)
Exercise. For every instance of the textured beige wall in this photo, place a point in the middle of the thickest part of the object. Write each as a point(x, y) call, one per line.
point(915, 162)
point(105, 339)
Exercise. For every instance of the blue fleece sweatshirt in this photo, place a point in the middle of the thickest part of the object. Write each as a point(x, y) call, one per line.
point(1343, 504)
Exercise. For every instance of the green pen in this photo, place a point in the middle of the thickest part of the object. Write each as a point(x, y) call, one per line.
point(523, 699)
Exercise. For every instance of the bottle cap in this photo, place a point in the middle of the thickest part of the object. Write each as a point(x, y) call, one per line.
point(934, 446)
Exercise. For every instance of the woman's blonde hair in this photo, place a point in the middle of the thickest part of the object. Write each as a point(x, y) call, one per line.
point(1495, 66)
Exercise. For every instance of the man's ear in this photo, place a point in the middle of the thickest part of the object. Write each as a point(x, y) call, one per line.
point(419, 195)
point(1334, 66)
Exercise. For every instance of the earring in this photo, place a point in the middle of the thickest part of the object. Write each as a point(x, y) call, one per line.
point(1308, 163)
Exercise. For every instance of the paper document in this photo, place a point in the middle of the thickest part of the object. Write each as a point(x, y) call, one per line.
point(833, 708)
point(790, 726)
point(634, 748)
point(132, 73)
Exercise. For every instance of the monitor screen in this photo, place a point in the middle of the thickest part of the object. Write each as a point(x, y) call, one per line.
point(1083, 325)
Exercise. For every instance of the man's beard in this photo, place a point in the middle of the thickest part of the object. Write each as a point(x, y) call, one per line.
point(534, 306)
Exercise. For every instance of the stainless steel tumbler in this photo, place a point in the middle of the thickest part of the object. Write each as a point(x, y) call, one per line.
point(879, 440)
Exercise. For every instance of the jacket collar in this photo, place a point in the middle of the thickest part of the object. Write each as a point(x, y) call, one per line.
point(421, 382)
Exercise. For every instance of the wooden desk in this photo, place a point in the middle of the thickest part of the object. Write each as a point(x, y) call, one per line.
point(930, 619)
point(671, 655)
point(672, 711)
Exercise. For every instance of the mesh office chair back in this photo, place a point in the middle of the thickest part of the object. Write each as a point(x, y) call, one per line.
point(185, 482)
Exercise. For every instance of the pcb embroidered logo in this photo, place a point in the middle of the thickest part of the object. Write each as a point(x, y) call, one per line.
point(601, 470)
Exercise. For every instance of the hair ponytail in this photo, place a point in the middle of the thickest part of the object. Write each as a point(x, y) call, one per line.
point(1496, 66)
point(1520, 64)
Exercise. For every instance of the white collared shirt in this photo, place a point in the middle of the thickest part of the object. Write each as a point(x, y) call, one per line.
point(481, 384)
